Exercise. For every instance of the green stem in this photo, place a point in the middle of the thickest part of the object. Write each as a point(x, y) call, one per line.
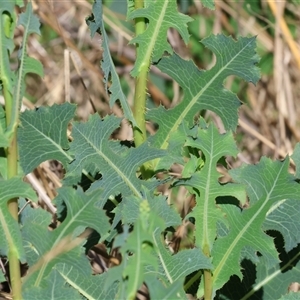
point(140, 96)
point(12, 170)
point(208, 284)
point(140, 134)
point(14, 264)
point(140, 86)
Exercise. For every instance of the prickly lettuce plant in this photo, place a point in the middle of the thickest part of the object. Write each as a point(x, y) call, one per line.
point(246, 230)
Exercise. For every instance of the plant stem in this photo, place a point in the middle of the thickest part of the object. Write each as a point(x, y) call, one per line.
point(140, 96)
point(14, 264)
point(140, 86)
point(12, 170)
point(207, 277)
point(139, 133)
point(207, 285)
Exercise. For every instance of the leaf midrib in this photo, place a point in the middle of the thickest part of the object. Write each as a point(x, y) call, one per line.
point(190, 105)
point(272, 275)
point(155, 34)
point(21, 74)
point(73, 283)
point(245, 228)
point(69, 223)
point(59, 147)
point(207, 198)
point(112, 165)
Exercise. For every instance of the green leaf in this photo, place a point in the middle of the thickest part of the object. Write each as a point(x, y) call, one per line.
point(208, 3)
point(29, 21)
point(19, 3)
point(93, 149)
point(9, 231)
point(206, 182)
point(3, 168)
point(267, 183)
point(39, 219)
point(2, 277)
point(175, 147)
point(296, 159)
point(275, 280)
point(158, 290)
point(284, 217)
point(204, 89)
point(96, 24)
point(153, 43)
point(91, 287)
point(56, 246)
point(139, 244)
point(147, 249)
point(291, 296)
point(7, 76)
point(27, 64)
point(243, 227)
point(4, 139)
point(137, 252)
point(128, 210)
point(9, 18)
point(177, 266)
point(7, 26)
point(42, 135)
point(54, 286)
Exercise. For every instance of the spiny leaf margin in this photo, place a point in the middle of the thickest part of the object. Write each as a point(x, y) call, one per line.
point(153, 42)
point(96, 24)
point(204, 89)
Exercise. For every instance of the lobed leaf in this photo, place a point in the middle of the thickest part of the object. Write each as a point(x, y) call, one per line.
point(149, 261)
point(204, 89)
point(7, 26)
point(61, 244)
point(274, 281)
point(39, 219)
point(92, 150)
point(158, 290)
point(175, 147)
point(42, 135)
point(178, 266)
point(26, 64)
point(153, 43)
point(296, 159)
point(4, 139)
point(128, 210)
point(29, 21)
point(267, 183)
point(91, 287)
point(9, 231)
point(138, 243)
point(54, 286)
point(7, 76)
point(206, 182)
point(96, 24)
point(137, 248)
point(284, 217)
point(208, 3)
